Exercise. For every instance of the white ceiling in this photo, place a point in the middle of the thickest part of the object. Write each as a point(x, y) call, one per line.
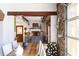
point(34, 18)
point(28, 7)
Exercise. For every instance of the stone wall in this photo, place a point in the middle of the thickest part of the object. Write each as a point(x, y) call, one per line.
point(61, 17)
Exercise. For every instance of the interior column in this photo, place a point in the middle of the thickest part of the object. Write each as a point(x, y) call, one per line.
point(53, 29)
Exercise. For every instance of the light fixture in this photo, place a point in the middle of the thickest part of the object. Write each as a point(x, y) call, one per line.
point(1, 15)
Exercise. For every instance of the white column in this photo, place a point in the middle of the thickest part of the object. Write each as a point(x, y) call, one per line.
point(49, 34)
point(53, 29)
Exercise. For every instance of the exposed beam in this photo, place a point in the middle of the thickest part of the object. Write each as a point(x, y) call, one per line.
point(31, 13)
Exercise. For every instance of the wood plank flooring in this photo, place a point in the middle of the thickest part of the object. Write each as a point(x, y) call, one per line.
point(31, 50)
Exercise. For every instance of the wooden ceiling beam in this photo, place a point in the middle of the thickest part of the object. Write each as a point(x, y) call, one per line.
point(31, 13)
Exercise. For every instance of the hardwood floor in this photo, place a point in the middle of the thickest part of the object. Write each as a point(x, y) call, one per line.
point(31, 50)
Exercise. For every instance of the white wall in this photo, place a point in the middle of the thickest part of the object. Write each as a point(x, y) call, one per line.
point(1, 32)
point(1, 36)
point(8, 29)
point(53, 29)
point(19, 21)
point(34, 19)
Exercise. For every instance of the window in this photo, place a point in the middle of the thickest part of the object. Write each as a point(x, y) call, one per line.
point(35, 25)
point(72, 30)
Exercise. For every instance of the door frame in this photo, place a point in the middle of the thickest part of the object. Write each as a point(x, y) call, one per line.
point(22, 30)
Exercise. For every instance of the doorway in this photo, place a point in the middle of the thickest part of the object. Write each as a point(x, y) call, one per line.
point(19, 33)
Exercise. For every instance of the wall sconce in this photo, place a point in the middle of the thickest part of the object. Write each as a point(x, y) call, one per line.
point(25, 30)
point(1, 15)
